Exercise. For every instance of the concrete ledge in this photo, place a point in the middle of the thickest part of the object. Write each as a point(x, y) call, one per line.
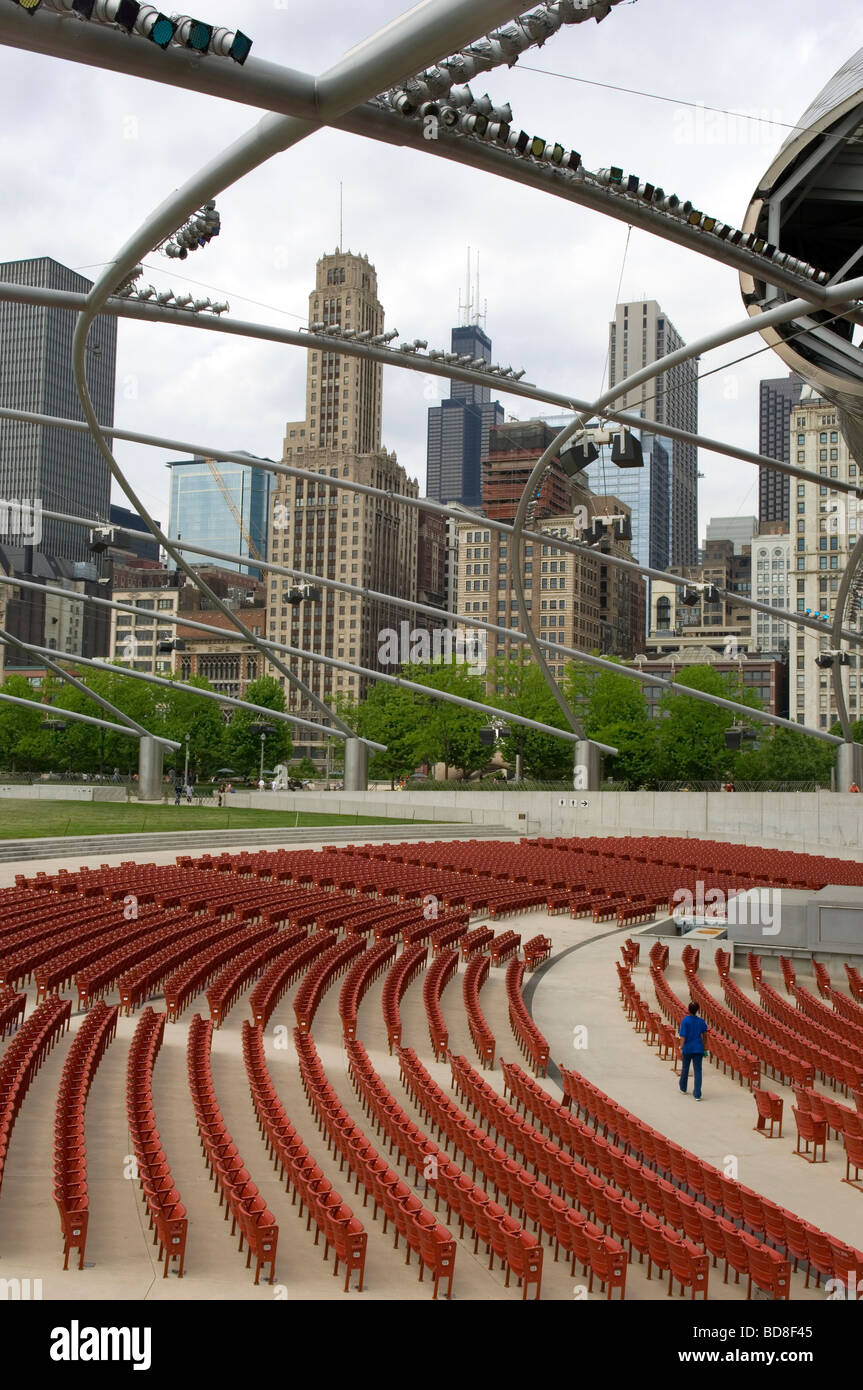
point(90, 846)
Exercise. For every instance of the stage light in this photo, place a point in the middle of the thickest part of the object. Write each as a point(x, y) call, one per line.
point(690, 596)
point(626, 451)
point(576, 456)
point(127, 14)
point(162, 31)
point(240, 48)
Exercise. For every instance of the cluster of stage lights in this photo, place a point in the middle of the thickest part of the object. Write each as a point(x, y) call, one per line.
point(462, 114)
point(453, 359)
point(197, 232)
point(500, 47)
point(160, 29)
point(168, 300)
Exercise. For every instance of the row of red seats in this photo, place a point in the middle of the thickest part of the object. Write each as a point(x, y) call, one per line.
point(527, 1035)
point(536, 950)
point(410, 963)
point(789, 1037)
point(249, 965)
point(448, 935)
point(821, 1032)
point(240, 1196)
point(358, 980)
point(475, 940)
point(12, 1008)
point(721, 1050)
point(426, 930)
point(321, 972)
point(58, 971)
point(88, 1047)
point(431, 1242)
point(22, 1059)
point(198, 970)
point(512, 1181)
point(520, 1253)
point(437, 977)
point(796, 1239)
point(682, 1257)
point(475, 977)
point(34, 946)
point(166, 1212)
point(147, 971)
point(340, 1228)
point(277, 980)
point(649, 1024)
point(828, 1019)
point(504, 947)
point(770, 1055)
point(855, 981)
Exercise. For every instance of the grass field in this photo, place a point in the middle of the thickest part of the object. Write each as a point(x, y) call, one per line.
point(25, 819)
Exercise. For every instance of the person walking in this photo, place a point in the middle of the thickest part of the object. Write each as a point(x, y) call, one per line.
point(178, 791)
point(692, 1031)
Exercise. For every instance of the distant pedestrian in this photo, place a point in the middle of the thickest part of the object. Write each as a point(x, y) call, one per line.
point(220, 792)
point(189, 790)
point(178, 792)
point(692, 1031)
point(854, 787)
point(116, 777)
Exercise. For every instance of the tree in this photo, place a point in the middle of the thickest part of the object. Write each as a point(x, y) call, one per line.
point(450, 733)
point(522, 689)
point(787, 756)
point(181, 714)
point(393, 716)
point(691, 734)
point(22, 742)
point(615, 711)
point(242, 745)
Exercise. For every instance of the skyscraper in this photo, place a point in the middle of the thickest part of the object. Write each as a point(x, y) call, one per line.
point(640, 334)
point(222, 505)
point(61, 470)
point(458, 428)
point(777, 397)
point(365, 541)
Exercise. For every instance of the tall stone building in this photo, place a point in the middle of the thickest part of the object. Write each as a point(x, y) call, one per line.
point(368, 542)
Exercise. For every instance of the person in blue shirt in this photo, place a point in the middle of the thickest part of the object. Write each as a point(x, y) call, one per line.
point(692, 1030)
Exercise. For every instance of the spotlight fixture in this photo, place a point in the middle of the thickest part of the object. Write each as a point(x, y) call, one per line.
point(162, 30)
point(690, 596)
point(626, 450)
point(577, 455)
point(127, 14)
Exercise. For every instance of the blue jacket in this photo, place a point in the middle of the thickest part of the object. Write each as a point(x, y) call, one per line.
point(692, 1030)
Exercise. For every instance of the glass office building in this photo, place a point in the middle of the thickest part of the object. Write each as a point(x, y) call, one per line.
point(59, 469)
point(223, 506)
point(458, 428)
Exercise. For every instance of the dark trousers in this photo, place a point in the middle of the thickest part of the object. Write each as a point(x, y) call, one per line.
point(696, 1059)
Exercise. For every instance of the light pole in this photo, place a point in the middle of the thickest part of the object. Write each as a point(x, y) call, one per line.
point(263, 730)
point(186, 767)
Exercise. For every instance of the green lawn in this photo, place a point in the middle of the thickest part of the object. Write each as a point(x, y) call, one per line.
point(26, 819)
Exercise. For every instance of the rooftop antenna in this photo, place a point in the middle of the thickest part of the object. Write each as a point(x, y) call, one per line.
point(480, 316)
point(464, 308)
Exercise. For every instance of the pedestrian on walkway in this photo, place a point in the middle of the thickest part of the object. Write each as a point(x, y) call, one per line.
point(178, 791)
point(692, 1031)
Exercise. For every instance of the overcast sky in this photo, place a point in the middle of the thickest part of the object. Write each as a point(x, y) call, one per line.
point(94, 152)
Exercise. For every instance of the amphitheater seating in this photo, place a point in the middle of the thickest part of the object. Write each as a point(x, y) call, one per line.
point(70, 1150)
point(166, 1212)
point(22, 1059)
point(473, 980)
point(251, 1216)
point(527, 1035)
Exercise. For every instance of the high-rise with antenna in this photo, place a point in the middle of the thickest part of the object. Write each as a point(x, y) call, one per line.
point(458, 428)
